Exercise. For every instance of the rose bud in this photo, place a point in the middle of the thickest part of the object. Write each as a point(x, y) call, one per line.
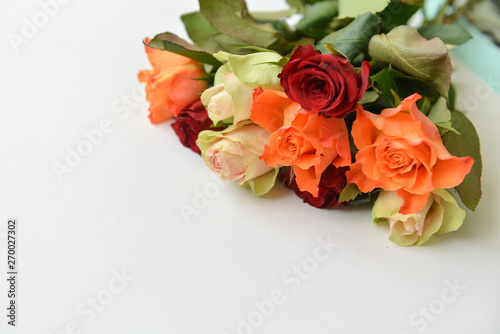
point(441, 214)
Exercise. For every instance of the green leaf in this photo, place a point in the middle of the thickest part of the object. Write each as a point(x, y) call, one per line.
point(412, 2)
point(396, 14)
point(298, 4)
point(254, 48)
point(349, 193)
point(206, 36)
point(274, 15)
point(200, 31)
point(334, 51)
point(407, 51)
point(353, 39)
point(407, 85)
point(441, 116)
point(231, 18)
point(312, 2)
point(369, 97)
point(284, 31)
point(466, 144)
point(424, 105)
point(397, 98)
point(452, 34)
point(389, 80)
point(230, 44)
point(440, 113)
point(385, 83)
point(444, 129)
point(318, 15)
point(452, 97)
point(173, 43)
point(354, 8)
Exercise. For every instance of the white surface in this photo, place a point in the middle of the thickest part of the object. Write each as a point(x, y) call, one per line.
point(119, 209)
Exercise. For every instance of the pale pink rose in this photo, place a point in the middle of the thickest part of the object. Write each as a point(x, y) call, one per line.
point(441, 214)
point(233, 154)
point(230, 101)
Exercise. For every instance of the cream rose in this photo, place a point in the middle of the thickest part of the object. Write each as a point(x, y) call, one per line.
point(441, 214)
point(230, 100)
point(233, 154)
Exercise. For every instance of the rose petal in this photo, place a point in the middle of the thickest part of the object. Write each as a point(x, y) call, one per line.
point(412, 202)
point(450, 173)
point(356, 175)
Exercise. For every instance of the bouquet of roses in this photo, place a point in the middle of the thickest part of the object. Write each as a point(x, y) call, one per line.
point(348, 104)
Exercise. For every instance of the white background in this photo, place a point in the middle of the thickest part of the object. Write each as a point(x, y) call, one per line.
point(118, 209)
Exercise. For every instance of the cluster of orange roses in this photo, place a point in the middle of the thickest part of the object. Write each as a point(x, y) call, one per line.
point(293, 125)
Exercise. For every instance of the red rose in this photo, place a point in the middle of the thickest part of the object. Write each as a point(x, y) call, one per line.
point(333, 181)
point(190, 122)
point(324, 83)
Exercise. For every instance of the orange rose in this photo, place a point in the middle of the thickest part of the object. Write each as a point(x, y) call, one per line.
point(307, 141)
point(169, 85)
point(401, 150)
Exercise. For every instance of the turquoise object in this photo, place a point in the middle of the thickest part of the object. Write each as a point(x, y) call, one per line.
point(481, 55)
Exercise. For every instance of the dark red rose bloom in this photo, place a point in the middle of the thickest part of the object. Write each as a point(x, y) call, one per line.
point(332, 182)
point(190, 122)
point(324, 83)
